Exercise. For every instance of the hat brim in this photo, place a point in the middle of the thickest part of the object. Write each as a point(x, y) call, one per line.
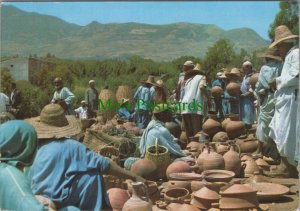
point(232, 74)
point(147, 82)
point(282, 39)
point(264, 55)
point(45, 131)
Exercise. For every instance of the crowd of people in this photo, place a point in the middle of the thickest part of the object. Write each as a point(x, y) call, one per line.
point(54, 169)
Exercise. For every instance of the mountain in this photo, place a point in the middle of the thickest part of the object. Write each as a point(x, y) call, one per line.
point(27, 33)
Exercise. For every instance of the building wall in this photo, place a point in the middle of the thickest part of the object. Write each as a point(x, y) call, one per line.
point(18, 68)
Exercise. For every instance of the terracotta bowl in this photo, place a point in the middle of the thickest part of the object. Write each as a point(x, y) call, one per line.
point(268, 191)
point(185, 176)
point(218, 175)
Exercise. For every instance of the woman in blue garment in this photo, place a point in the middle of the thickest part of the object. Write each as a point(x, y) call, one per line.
point(18, 144)
point(65, 170)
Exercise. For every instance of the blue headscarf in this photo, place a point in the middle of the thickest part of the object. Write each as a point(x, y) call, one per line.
point(18, 142)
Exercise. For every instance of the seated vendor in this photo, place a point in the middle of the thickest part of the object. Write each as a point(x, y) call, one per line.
point(124, 111)
point(156, 130)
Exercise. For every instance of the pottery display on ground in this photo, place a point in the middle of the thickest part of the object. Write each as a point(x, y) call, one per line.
point(211, 126)
point(233, 161)
point(137, 201)
point(204, 198)
point(117, 198)
point(176, 195)
point(238, 197)
point(234, 127)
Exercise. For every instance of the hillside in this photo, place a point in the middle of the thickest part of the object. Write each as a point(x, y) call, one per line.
point(26, 33)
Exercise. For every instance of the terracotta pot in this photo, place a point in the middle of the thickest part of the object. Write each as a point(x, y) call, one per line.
point(177, 167)
point(179, 184)
point(233, 161)
point(257, 177)
point(197, 185)
point(220, 137)
point(218, 175)
point(181, 207)
point(250, 167)
point(222, 148)
point(201, 157)
point(211, 126)
point(213, 160)
point(204, 197)
point(238, 197)
point(233, 89)
point(174, 128)
point(176, 195)
point(194, 148)
point(117, 197)
point(248, 144)
point(144, 168)
point(254, 79)
point(138, 202)
point(216, 92)
point(234, 128)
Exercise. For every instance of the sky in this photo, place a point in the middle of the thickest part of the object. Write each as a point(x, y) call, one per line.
point(227, 15)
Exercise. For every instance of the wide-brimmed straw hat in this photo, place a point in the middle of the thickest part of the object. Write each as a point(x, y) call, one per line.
point(150, 80)
point(282, 33)
point(233, 72)
point(270, 53)
point(53, 123)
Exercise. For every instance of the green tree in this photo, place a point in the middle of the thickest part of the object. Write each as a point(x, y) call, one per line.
point(288, 15)
point(218, 56)
point(6, 80)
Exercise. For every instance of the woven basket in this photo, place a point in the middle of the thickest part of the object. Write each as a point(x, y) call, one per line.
point(124, 91)
point(160, 156)
point(104, 96)
point(110, 152)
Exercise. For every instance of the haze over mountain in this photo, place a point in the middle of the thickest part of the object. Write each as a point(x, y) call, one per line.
point(27, 33)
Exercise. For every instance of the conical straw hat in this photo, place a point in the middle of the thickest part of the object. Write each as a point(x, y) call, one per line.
point(282, 33)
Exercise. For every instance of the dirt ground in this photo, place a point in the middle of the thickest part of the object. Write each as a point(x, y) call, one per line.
point(289, 202)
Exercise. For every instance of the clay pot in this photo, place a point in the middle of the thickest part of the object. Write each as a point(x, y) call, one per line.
point(138, 202)
point(248, 144)
point(257, 177)
point(194, 148)
point(222, 148)
point(179, 184)
point(181, 207)
point(176, 195)
point(201, 157)
point(233, 161)
point(238, 197)
point(250, 167)
point(234, 128)
point(144, 168)
point(262, 164)
point(220, 137)
point(197, 185)
point(233, 89)
point(117, 198)
point(183, 137)
point(213, 160)
point(177, 167)
point(218, 175)
point(216, 92)
point(211, 126)
point(174, 128)
point(204, 197)
point(254, 79)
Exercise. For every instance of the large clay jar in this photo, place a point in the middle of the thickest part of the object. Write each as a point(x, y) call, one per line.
point(216, 92)
point(233, 161)
point(238, 197)
point(174, 128)
point(144, 168)
point(211, 126)
point(117, 198)
point(233, 89)
point(176, 195)
point(107, 97)
point(213, 160)
point(201, 157)
point(204, 198)
point(177, 167)
point(138, 202)
point(222, 148)
point(248, 144)
point(234, 128)
point(194, 148)
point(220, 137)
